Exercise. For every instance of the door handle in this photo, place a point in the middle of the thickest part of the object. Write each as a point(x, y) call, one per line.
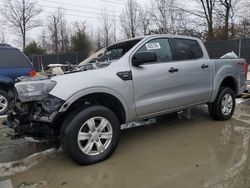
point(172, 70)
point(204, 66)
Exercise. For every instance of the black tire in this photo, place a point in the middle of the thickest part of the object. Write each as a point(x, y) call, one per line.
point(72, 126)
point(215, 108)
point(211, 112)
point(5, 109)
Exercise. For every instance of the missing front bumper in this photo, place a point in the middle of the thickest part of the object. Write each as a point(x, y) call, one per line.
point(35, 119)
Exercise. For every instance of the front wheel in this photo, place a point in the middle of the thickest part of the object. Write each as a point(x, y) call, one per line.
point(91, 135)
point(223, 106)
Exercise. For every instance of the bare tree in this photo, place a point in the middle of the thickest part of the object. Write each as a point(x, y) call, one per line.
point(106, 27)
point(145, 20)
point(43, 39)
point(208, 7)
point(160, 15)
point(227, 5)
point(2, 36)
point(53, 29)
point(114, 30)
point(98, 39)
point(243, 28)
point(164, 15)
point(21, 14)
point(226, 14)
point(58, 32)
point(129, 19)
point(64, 36)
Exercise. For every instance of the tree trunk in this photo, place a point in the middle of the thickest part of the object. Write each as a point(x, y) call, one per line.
point(210, 31)
point(24, 40)
point(226, 25)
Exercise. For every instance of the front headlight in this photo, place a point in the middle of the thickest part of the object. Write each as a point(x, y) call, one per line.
point(34, 90)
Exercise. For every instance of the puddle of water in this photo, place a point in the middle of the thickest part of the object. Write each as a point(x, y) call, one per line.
point(234, 175)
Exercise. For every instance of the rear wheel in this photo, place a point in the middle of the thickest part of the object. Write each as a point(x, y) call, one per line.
point(4, 103)
point(223, 106)
point(91, 135)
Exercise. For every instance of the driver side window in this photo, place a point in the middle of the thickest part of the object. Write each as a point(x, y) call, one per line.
point(159, 46)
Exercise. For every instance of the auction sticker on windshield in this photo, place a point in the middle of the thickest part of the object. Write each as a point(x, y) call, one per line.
point(153, 46)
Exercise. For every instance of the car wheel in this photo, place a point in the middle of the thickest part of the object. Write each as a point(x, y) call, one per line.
point(91, 135)
point(4, 103)
point(223, 106)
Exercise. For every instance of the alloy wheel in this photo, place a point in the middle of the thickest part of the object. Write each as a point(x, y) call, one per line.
point(95, 136)
point(227, 104)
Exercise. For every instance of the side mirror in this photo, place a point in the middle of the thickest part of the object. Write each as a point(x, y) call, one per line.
point(143, 57)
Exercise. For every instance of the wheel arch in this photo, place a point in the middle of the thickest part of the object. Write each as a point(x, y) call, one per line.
point(5, 85)
point(228, 81)
point(113, 101)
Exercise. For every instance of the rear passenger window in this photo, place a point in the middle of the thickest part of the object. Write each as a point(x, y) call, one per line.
point(159, 46)
point(187, 49)
point(10, 58)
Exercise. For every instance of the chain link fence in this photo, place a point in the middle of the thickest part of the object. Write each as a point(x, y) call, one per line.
point(41, 62)
point(241, 47)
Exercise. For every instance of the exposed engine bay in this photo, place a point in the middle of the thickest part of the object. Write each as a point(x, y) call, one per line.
point(33, 112)
point(34, 118)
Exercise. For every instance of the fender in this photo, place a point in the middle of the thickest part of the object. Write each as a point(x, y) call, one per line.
point(6, 80)
point(218, 82)
point(87, 91)
point(222, 72)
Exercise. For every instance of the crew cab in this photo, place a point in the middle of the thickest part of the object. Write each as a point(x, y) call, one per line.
point(131, 80)
point(12, 65)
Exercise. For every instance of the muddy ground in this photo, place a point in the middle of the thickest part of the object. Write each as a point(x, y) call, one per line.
point(189, 150)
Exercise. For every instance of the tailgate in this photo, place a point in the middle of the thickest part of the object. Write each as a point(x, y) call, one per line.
point(241, 64)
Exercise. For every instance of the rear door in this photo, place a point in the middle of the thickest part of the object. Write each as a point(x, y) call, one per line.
point(13, 63)
point(195, 73)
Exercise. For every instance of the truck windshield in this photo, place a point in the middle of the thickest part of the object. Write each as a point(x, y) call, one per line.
point(111, 53)
point(13, 58)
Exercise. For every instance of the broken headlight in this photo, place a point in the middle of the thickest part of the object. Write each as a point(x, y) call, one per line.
point(34, 90)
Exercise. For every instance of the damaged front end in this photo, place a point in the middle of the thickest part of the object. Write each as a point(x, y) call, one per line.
point(33, 110)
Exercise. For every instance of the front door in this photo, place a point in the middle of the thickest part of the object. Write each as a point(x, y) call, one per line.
point(155, 87)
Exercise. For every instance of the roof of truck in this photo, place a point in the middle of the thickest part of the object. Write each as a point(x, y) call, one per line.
point(160, 35)
point(154, 36)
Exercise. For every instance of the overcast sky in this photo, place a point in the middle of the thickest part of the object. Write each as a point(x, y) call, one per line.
point(75, 10)
point(83, 10)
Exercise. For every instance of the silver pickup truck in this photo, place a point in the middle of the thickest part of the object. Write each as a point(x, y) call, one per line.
point(130, 80)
